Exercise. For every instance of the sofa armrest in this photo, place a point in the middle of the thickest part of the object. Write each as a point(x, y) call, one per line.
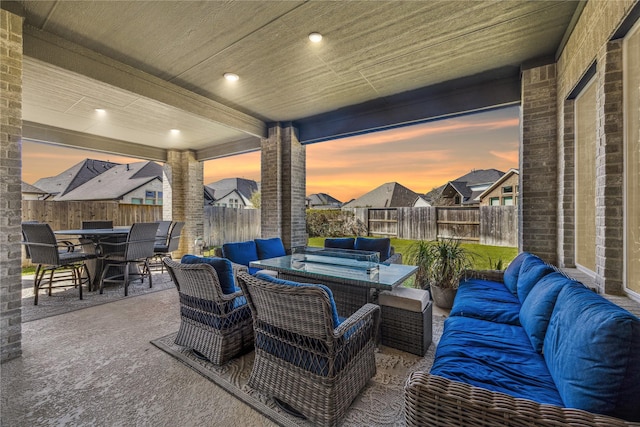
point(491, 275)
point(431, 400)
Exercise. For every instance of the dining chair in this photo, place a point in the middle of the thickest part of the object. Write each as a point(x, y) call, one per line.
point(128, 255)
point(52, 256)
point(163, 248)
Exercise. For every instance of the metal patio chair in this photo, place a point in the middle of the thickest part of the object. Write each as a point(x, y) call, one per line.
point(164, 246)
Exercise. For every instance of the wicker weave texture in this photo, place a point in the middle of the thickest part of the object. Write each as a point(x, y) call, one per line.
point(300, 358)
point(435, 401)
point(405, 330)
point(212, 323)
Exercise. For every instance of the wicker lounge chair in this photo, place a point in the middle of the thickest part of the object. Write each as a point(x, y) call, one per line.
point(300, 358)
point(215, 325)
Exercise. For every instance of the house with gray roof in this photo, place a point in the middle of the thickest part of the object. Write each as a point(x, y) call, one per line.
point(466, 190)
point(134, 183)
point(389, 195)
point(231, 192)
point(322, 201)
point(74, 177)
point(31, 192)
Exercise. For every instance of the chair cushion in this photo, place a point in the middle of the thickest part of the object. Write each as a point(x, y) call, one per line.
point(537, 308)
point(222, 267)
point(381, 245)
point(512, 271)
point(532, 270)
point(334, 310)
point(340, 243)
point(240, 252)
point(592, 349)
point(270, 248)
point(495, 356)
point(484, 299)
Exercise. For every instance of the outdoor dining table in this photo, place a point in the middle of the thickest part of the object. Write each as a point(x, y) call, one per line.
point(95, 235)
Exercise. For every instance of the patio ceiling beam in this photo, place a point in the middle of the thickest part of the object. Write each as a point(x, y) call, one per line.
point(37, 132)
point(232, 148)
point(484, 91)
point(62, 53)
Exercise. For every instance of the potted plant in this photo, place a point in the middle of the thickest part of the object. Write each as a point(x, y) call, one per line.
point(441, 264)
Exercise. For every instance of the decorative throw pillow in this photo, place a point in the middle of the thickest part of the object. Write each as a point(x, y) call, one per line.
point(222, 267)
point(270, 248)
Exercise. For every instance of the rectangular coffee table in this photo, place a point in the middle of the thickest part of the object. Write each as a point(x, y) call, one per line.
point(354, 281)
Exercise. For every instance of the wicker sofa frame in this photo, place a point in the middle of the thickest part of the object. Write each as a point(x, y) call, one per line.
point(432, 400)
point(300, 359)
point(212, 323)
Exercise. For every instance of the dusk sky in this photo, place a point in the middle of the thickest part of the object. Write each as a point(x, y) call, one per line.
point(419, 157)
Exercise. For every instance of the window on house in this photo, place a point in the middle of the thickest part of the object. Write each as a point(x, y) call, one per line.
point(136, 200)
point(494, 201)
point(150, 194)
point(456, 200)
point(631, 85)
point(149, 201)
point(517, 188)
point(507, 189)
point(585, 176)
point(507, 201)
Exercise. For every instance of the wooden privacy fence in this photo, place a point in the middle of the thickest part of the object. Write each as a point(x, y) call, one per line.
point(222, 225)
point(488, 225)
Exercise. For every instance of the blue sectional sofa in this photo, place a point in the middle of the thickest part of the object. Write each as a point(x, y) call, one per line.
point(243, 253)
point(535, 348)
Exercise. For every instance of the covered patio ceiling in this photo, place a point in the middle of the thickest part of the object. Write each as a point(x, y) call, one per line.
point(158, 65)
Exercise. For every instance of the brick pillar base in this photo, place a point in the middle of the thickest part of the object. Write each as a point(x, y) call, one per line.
point(10, 186)
point(183, 197)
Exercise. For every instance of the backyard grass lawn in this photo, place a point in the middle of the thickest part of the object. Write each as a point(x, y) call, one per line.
point(484, 257)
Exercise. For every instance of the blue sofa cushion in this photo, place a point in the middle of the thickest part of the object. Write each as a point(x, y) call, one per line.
point(513, 270)
point(334, 310)
point(537, 308)
point(241, 253)
point(486, 300)
point(381, 245)
point(340, 243)
point(222, 267)
point(495, 356)
point(270, 248)
point(532, 270)
point(592, 349)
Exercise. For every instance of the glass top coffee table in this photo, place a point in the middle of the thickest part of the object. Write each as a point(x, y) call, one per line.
point(354, 277)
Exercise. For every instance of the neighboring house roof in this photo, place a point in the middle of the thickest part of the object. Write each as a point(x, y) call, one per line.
point(481, 176)
point(74, 177)
point(116, 182)
point(473, 184)
point(322, 199)
point(499, 182)
point(219, 189)
point(31, 189)
point(421, 201)
point(389, 195)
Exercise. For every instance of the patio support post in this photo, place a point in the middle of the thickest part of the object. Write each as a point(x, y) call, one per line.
point(10, 186)
point(183, 197)
point(283, 186)
point(538, 212)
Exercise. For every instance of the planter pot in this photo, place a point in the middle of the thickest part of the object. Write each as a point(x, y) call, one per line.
point(443, 297)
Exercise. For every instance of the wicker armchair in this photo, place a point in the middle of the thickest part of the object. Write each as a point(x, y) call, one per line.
point(300, 359)
point(216, 326)
point(431, 400)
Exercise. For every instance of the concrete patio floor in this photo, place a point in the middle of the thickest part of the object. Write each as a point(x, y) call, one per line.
point(96, 367)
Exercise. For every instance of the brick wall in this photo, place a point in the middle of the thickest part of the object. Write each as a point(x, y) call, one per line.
point(271, 196)
point(10, 185)
point(539, 163)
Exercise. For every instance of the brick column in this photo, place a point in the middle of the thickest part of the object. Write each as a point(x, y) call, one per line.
point(283, 186)
point(183, 196)
point(610, 170)
point(539, 163)
point(10, 185)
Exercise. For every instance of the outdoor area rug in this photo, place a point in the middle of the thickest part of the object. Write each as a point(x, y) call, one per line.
point(381, 402)
point(65, 299)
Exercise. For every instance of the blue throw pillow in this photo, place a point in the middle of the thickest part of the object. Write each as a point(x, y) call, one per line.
point(533, 269)
point(340, 243)
point(382, 246)
point(537, 308)
point(240, 252)
point(592, 349)
point(222, 266)
point(270, 248)
point(512, 271)
point(334, 309)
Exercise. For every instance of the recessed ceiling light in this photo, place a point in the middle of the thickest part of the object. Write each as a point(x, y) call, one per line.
point(100, 110)
point(175, 131)
point(315, 37)
point(231, 77)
